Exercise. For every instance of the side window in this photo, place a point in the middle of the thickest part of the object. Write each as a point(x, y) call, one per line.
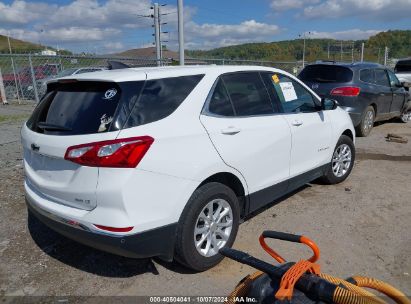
point(248, 94)
point(292, 96)
point(220, 103)
point(381, 78)
point(393, 79)
point(367, 75)
point(161, 97)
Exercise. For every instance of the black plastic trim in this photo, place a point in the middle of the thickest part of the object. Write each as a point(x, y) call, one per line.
point(268, 195)
point(156, 242)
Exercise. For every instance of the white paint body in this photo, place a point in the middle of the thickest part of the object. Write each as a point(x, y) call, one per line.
point(188, 148)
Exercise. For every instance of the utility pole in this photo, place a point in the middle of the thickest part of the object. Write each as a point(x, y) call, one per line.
point(385, 55)
point(14, 69)
point(379, 50)
point(303, 36)
point(180, 31)
point(157, 34)
point(328, 50)
point(352, 52)
point(160, 30)
point(362, 52)
point(341, 49)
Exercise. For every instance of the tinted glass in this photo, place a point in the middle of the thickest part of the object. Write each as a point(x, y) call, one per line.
point(161, 97)
point(248, 94)
point(367, 75)
point(220, 103)
point(66, 72)
point(76, 108)
point(293, 97)
point(381, 78)
point(403, 66)
point(87, 71)
point(326, 73)
point(393, 79)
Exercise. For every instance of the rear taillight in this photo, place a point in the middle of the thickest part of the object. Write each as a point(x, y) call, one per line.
point(117, 153)
point(346, 91)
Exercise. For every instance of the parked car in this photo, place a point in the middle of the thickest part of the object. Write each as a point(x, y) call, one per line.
point(24, 79)
point(167, 161)
point(403, 71)
point(369, 92)
point(42, 83)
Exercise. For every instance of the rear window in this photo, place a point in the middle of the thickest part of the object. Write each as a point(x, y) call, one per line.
point(403, 66)
point(326, 73)
point(87, 107)
point(76, 108)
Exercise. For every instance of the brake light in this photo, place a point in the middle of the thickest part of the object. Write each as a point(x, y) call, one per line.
point(114, 229)
point(346, 91)
point(118, 153)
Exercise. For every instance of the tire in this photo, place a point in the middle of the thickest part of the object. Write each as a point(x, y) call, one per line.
point(333, 175)
point(186, 252)
point(367, 122)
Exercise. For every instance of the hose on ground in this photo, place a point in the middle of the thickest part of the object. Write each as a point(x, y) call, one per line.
point(382, 287)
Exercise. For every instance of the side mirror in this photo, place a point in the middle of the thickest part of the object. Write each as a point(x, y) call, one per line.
point(328, 104)
point(399, 85)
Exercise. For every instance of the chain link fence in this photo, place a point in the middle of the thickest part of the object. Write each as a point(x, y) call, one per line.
point(24, 76)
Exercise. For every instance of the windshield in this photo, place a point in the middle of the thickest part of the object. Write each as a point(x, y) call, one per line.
point(326, 73)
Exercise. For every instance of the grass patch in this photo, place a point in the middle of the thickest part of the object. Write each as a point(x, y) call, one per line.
point(15, 117)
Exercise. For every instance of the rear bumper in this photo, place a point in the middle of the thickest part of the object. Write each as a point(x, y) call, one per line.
point(354, 114)
point(156, 242)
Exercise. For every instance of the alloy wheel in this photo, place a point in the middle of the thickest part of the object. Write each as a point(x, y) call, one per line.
point(406, 117)
point(213, 227)
point(341, 161)
point(368, 121)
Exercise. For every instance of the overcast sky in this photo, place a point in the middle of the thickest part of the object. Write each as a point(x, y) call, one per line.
point(115, 25)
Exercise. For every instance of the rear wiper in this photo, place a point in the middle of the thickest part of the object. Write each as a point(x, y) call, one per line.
point(46, 126)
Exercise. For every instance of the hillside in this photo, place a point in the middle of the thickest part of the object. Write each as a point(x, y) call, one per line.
point(399, 43)
point(149, 52)
point(18, 46)
point(23, 47)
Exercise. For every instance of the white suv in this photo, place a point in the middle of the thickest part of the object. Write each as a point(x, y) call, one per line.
point(167, 161)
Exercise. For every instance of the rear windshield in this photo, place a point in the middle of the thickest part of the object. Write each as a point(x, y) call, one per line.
point(403, 66)
point(326, 74)
point(87, 107)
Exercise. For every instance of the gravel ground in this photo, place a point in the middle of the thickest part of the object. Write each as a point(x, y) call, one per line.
point(362, 227)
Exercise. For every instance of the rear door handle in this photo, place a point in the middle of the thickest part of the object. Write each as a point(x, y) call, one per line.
point(297, 123)
point(230, 131)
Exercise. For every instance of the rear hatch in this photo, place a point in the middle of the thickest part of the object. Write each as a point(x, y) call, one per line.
point(323, 78)
point(71, 113)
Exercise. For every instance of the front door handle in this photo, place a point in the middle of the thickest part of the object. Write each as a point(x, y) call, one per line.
point(230, 131)
point(297, 123)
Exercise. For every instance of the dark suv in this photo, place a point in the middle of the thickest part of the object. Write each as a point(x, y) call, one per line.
point(369, 92)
